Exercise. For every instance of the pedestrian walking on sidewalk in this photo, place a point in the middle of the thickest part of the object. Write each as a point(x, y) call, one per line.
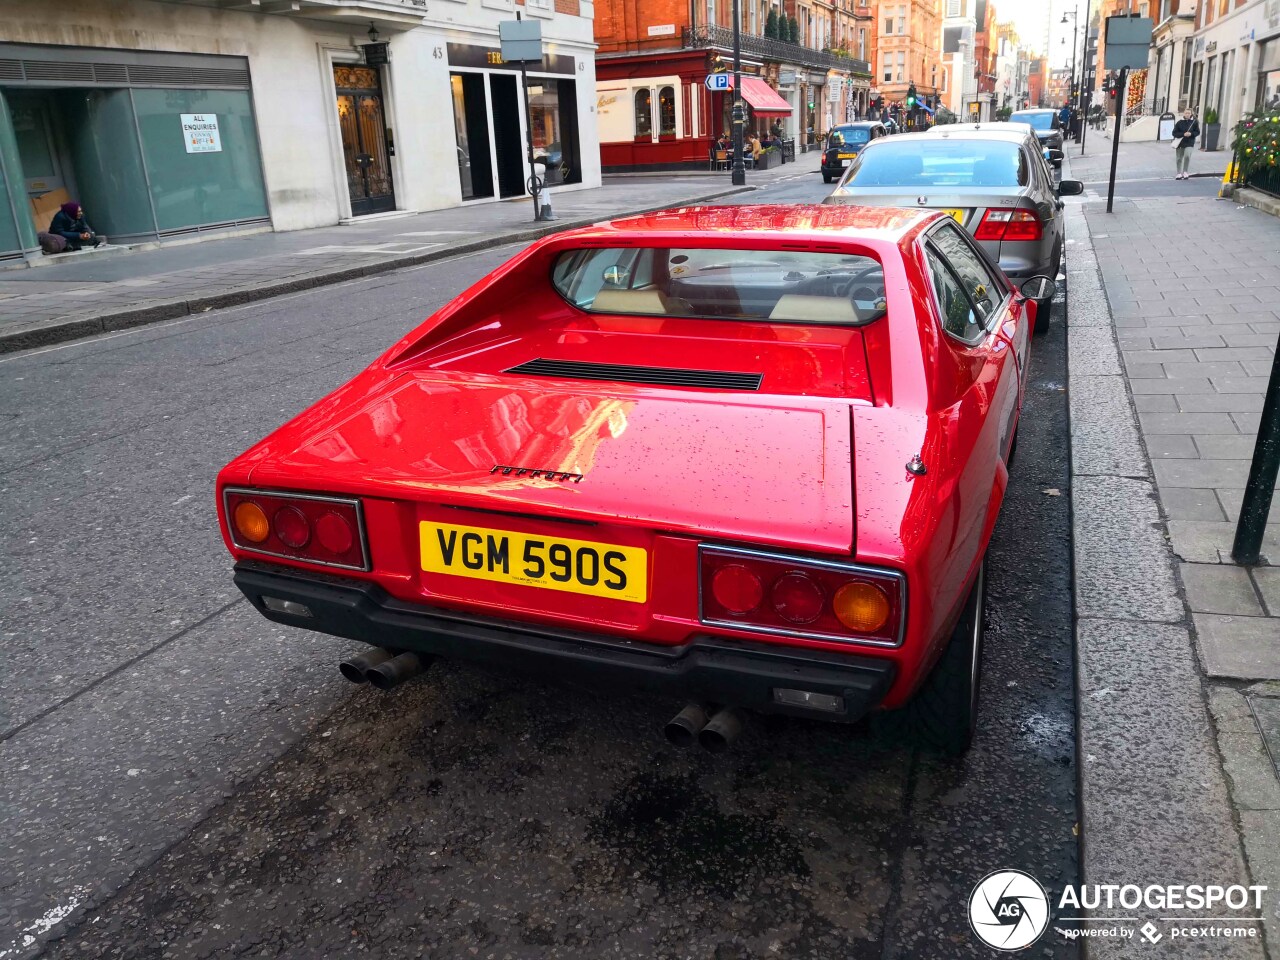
point(1185, 132)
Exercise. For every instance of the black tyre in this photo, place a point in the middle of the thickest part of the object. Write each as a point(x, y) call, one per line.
point(944, 712)
point(826, 178)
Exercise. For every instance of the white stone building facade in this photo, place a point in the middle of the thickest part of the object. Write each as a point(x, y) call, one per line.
point(306, 123)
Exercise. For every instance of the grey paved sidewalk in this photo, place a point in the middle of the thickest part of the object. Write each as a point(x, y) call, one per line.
point(1167, 379)
point(1148, 159)
point(94, 293)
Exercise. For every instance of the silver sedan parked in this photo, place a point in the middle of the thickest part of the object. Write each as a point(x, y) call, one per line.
point(992, 178)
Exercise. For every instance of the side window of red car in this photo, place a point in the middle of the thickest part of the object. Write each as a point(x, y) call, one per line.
point(959, 318)
point(986, 290)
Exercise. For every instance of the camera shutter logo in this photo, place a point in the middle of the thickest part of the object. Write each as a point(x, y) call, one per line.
point(1008, 910)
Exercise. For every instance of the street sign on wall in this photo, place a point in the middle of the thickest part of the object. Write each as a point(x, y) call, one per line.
point(718, 81)
point(200, 132)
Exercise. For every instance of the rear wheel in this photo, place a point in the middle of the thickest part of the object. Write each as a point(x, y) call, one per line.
point(826, 177)
point(1044, 308)
point(944, 712)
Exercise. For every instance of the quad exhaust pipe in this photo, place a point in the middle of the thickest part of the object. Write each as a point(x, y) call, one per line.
point(715, 733)
point(683, 729)
point(356, 668)
point(383, 669)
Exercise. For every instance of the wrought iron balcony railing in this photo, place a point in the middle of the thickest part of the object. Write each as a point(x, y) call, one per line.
point(778, 51)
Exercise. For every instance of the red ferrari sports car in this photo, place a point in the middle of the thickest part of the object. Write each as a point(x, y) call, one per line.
point(749, 456)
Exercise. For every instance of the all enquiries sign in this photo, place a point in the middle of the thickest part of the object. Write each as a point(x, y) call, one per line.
point(200, 133)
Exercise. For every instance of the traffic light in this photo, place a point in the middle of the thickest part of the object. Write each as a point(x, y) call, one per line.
point(911, 96)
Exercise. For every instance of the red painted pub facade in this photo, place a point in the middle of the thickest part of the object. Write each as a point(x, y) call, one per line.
point(654, 111)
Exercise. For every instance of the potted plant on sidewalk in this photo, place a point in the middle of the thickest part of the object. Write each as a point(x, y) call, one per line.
point(769, 157)
point(1212, 129)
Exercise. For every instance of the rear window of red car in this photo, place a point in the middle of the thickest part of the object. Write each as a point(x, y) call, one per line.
point(779, 286)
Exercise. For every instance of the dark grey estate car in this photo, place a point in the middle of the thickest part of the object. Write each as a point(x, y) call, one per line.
point(993, 179)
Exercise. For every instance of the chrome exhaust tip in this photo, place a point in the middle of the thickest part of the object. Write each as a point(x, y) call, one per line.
point(682, 729)
point(722, 729)
point(389, 675)
point(356, 668)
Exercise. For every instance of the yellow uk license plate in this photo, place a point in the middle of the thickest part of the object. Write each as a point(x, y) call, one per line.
point(846, 156)
point(958, 215)
point(554, 563)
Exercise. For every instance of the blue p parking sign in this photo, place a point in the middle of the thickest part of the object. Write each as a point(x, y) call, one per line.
point(718, 81)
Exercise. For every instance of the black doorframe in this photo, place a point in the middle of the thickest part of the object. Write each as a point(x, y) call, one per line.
point(372, 201)
point(508, 133)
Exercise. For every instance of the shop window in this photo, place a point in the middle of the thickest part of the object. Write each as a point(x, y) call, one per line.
point(1269, 90)
point(644, 114)
point(471, 134)
point(667, 111)
point(552, 105)
point(190, 189)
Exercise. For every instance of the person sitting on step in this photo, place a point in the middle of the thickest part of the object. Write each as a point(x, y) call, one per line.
point(69, 223)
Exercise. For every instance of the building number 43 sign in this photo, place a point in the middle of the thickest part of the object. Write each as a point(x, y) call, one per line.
point(200, 133)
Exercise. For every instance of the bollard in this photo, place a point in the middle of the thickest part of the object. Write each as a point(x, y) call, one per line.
point(1261, 486)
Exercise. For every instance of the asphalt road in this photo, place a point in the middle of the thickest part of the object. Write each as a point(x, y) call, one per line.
point(180, 778)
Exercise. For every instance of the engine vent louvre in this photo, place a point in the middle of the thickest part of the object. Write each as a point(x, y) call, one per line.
point(626, 373)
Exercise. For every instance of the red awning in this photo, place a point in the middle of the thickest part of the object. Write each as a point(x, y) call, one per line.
point(764, 99)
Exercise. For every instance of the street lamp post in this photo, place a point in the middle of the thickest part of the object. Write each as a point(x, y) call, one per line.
point(1085, 99)
point(1075, 29)
point(739, 175)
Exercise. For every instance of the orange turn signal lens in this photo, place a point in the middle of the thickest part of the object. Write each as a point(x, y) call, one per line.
point(251, 522)
point(862, 607)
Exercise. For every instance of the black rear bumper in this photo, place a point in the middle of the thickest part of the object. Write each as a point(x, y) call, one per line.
point(706, 668)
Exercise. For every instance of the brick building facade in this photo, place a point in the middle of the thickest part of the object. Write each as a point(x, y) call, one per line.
point(654, 109)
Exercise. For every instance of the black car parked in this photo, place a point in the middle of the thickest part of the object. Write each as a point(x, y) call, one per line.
point(843, 144)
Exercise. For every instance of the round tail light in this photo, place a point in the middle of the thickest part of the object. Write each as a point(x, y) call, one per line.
point(737, 589)
point(335, 534)
point(251, 522)
point(797, 598)
point(291, 527)
point(862, 607)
